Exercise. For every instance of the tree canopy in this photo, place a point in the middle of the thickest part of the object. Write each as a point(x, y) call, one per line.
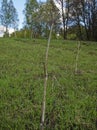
point(8, 15)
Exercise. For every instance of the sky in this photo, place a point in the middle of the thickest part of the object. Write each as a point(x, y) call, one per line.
point(19, 5)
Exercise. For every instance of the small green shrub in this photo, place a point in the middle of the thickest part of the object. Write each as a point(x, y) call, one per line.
point(71, 37)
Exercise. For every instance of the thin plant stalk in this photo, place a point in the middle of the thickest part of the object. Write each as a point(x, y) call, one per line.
point(77, 56)
point(45, 81)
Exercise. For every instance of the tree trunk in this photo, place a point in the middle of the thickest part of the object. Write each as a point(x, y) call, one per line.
point(64, 20)
point(6, 32)
point(79, 28)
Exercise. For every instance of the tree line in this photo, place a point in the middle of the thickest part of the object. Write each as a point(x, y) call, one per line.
point(73, 19)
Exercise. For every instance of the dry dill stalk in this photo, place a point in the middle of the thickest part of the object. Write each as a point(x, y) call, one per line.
point(45, 81)
point(77, 57)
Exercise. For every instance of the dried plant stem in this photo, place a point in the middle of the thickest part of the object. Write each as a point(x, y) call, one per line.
point(77, 56)
point(45, 81)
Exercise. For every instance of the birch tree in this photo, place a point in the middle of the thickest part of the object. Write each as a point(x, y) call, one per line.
point(31, 7)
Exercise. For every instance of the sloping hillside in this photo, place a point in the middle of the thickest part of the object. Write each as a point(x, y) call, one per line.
point(71, 97)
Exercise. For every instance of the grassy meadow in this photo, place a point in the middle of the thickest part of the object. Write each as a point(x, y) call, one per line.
point(71, 102)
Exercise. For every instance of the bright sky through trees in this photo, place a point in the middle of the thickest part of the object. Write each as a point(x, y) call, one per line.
point(19, 5)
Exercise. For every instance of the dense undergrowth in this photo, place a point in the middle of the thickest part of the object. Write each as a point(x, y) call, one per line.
point(71, 102)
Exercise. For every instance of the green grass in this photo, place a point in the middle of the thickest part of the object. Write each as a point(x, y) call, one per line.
point(71, 98)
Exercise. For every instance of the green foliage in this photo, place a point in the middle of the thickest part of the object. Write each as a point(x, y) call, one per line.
point(72, 37)
point(6, 34)
point(8, 15)
point(23, 33)
point(39, 17)
point(13, 15)
point(71, 98)
point(5, 13)
point(31, 7)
